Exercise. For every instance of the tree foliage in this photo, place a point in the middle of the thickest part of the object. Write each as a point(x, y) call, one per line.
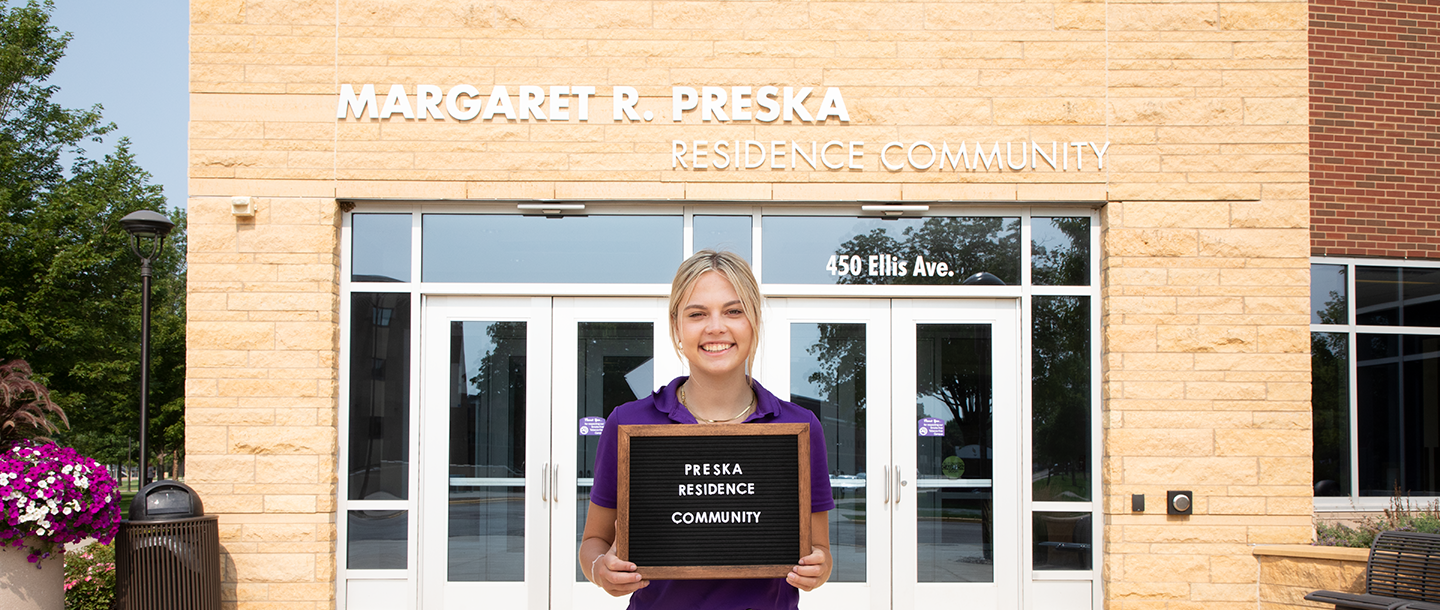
point(69, 285)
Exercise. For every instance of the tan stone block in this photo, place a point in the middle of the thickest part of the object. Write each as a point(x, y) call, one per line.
point(1158, 568)
point(1155, 214)
point(1130, 593)
point(1277, 111)
point(1153, 242)
point(1292, 534)
point(1207, 339)
point(1239, 568)
point(230, 335)
point(1264, 442)
point(1048, 111)
point(268, 387)
point(320, 592)
point(1156, 390)
point(224, 504)
point(1159, 442)
point(278, 532)
point(1290, 506)
point(1202, 111)
point(1157, 362)
point(1254, 243)
point(1284, 339)
point(201, 440)
point(274, 567)
point(1281, 16)
point(981, 17)
point(289, 504)
point(1131, 339)
point(1191, 470)
point(1224, 391)
point(286, 469)
point(1230, 505)
point(220, 468)
point(271, 440)
point(1285, 470)
point(1209, 305)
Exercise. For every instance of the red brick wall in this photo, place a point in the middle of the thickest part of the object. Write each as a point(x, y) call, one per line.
point(1375, 128)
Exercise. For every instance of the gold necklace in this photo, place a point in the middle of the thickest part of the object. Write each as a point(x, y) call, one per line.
point(715, 421)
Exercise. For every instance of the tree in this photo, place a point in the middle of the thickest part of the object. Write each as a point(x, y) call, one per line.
point(69, 285)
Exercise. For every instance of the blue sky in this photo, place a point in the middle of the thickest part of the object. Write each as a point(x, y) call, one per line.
point(131, 57)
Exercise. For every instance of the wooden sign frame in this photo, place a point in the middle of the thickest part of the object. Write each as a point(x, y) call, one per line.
point(801, 432)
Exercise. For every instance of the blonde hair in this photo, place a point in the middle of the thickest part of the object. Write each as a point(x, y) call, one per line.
point(736, 271)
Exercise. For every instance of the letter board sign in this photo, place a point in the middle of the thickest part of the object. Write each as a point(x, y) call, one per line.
point(714, 501)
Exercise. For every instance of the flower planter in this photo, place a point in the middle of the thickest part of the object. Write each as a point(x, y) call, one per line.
point(24, 587)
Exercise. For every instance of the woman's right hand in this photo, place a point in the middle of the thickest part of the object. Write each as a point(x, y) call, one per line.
point(617, 576)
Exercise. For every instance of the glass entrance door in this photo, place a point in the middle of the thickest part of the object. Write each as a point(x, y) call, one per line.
point(607, 352)
point(486, 471)
point(927, 497)
point(516, 391)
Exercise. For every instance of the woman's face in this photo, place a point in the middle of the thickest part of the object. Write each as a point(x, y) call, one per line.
point(715, 335)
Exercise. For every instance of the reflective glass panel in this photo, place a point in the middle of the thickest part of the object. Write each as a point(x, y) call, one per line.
point(380, 248)
point(933, 251)
point(1422, 297)
point(1330, 407)
point(379, 467)
point(733, 233)
point(487, 451)
point(1063, 541)
point(526, 249)
point(1398, 414)
point(376, 539)
point(1377, 296)
point(1060, 418)
point(616, 365)
point(1328, 303)
point(827, 376)
point(955, 520)
point(1060, 251)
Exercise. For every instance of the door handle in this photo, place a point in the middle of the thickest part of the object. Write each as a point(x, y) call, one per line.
point(545, 482)
point(555, 483)
point(887, 484)
point(899, 482)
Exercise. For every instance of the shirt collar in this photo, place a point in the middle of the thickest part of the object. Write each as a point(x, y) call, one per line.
point(667, 402)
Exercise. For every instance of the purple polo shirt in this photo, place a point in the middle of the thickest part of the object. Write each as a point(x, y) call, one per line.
point(662, 407)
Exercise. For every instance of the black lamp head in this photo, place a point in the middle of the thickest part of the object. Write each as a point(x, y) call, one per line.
point(146, 223)
point(983, 278)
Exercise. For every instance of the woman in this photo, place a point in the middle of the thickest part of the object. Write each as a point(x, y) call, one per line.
point(714, 324)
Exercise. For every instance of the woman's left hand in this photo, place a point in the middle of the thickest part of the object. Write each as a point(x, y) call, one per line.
point(811, 572)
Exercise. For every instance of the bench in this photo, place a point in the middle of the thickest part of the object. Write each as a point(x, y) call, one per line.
point(1403, 573)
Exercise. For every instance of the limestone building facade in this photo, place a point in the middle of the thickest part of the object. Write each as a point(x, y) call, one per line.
point(430, 239)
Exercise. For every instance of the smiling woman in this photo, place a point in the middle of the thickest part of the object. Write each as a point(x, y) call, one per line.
point(714, 323)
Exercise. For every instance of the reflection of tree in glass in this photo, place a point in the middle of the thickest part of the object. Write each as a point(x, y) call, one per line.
point(967, 245)
point(1060, 377)
point(953, 365)
point(1335, 310)
point(492, 418)
point(1329, 375)
point(1066, 263)
point(840, 359)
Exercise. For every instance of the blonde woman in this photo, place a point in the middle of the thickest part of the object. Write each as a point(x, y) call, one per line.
point(714, 325)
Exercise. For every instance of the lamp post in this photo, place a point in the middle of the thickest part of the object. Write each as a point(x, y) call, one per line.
point(152, 227)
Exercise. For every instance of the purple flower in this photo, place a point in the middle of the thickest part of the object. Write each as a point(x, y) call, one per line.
point(56, 495)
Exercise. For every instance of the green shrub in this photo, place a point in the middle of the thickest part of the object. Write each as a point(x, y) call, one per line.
point(1402, 516)
point(90, 578)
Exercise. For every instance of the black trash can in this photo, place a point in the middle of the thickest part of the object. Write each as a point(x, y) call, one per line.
point(167, 554)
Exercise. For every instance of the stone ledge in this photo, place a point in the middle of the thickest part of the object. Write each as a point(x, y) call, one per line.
point(1307, 551)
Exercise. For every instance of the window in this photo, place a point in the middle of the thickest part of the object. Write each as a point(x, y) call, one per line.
point(1375, 381)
